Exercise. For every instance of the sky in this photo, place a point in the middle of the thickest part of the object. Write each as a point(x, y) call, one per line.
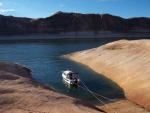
point(46, 8)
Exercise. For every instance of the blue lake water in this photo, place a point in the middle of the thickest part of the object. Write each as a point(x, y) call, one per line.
point(45, 61)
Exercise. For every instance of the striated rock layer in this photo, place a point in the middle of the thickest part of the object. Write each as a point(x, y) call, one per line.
point(19, 93)
point(125, 62)
point(67, 25)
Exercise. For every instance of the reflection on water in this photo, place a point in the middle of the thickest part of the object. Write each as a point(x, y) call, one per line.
point(71, 86)
point(43, 58)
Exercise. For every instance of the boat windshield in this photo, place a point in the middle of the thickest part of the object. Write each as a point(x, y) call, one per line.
point(71, 75)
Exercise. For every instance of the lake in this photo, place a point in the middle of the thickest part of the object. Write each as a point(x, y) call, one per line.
point(43, 57)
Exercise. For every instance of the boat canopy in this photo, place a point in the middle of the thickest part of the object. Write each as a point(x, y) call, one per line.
point(69, 74)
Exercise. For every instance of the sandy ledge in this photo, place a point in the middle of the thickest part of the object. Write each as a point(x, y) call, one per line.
point(125, 62)
point(20, 93)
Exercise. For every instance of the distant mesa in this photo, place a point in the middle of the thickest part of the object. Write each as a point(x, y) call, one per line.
point(74, 23)
point(59, 12)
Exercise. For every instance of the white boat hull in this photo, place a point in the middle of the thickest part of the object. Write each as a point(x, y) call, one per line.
point(66, 75)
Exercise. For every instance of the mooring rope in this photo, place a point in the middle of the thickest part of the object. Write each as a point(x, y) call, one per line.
point(99, 99)
point(97, 94)
point(94, 94)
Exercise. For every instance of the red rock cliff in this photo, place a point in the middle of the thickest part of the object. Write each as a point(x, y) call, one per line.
point(62, 22)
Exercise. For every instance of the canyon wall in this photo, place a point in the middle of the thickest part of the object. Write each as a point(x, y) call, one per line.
point(76, 24)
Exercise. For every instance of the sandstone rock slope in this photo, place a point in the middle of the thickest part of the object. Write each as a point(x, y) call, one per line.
point(19, 93)
point(125, 62)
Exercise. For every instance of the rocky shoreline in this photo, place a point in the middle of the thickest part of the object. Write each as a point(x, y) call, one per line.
point(126, 63)
point(20, 93)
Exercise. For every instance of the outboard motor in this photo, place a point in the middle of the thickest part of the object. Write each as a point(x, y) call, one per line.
point(78, 81)
point(75, 80)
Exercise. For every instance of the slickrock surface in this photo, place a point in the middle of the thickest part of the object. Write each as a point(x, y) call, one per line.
point(19, 93)
point(125, 62)
point(123, 106)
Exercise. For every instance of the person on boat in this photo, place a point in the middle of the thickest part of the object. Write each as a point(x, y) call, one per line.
point(71, 75)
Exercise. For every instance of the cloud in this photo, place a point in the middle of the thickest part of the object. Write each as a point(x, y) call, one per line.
point(61, 5)
point(6, 10)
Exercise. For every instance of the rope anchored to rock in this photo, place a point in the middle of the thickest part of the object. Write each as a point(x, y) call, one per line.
point(95, 95)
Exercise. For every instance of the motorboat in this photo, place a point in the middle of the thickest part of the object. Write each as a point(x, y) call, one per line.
point(70, 77)
point(70, 86)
